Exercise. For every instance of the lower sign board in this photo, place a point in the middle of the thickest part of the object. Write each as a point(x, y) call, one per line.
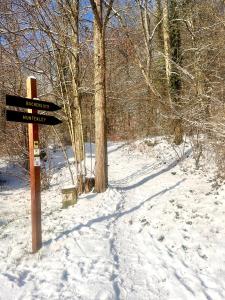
point(17, 116)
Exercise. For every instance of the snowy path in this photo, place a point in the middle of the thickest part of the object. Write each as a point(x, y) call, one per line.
point(156, 233)
point(162, 255)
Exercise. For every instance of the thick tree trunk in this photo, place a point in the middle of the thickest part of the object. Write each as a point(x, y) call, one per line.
point(167, 52)
point(101, 173)
point(175, 43)
point(172, 40)
point(78, 131)
point(78, 141)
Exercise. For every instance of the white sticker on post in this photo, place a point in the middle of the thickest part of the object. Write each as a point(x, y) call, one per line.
point(36, 152)
point(37, 161)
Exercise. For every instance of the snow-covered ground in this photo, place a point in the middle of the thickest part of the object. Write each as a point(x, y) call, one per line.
point(156, 233)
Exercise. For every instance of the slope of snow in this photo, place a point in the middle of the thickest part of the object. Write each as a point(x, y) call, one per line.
point(156, 233)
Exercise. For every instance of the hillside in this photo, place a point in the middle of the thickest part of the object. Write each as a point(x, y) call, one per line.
point(156, 233)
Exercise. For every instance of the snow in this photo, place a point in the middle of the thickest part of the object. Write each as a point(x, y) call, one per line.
point(156, 233)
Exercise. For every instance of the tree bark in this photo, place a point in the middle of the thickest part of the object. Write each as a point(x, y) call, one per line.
point(78, 134)
point(78, 140)
point(167, 53)
point(101, 172)
point(172, 55)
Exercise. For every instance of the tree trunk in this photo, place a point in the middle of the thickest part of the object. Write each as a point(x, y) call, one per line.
point(69, 83)
point(172, 55)
point(101, 172)
point(78, 141)
point(175, 42)
point(167, 52)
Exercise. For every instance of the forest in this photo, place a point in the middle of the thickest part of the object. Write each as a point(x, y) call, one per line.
point(108, 63)
point(141, 89)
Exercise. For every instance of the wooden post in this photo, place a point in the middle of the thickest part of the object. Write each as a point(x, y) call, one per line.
point(34, 171)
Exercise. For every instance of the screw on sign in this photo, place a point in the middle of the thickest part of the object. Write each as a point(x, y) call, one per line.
point(33, 119)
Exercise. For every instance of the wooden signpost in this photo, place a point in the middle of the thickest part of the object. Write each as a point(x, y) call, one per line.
point(33, 119)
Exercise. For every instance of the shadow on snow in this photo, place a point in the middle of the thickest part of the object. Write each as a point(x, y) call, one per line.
point(115, 215)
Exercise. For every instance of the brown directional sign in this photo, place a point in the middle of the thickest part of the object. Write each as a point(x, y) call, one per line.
point(30, 103)
point(17, 116)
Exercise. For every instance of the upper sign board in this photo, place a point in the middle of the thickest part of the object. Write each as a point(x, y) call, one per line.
point(18, 101)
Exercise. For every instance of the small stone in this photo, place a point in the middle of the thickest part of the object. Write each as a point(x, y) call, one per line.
point(184, 248)
point(161, 238)
point(189, 222)
point(143, 220)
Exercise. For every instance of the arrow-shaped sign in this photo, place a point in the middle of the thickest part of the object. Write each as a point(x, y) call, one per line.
point(18, 101)
point(17, 116)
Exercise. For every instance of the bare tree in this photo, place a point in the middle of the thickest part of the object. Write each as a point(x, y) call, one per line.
point(100, 23)
point(172, 54)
